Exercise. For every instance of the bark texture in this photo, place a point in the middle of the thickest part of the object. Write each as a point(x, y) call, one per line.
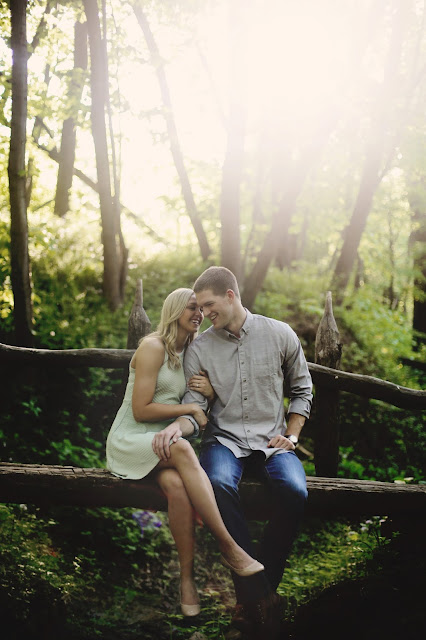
point(99, 88)
point(20, 263)
point(49, 484)
point(68, 138)
point(328, 350)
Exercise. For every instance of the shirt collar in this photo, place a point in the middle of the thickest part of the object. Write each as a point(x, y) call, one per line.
point(244, 329)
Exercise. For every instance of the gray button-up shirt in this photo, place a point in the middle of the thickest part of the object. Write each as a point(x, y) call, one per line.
point(248, 374)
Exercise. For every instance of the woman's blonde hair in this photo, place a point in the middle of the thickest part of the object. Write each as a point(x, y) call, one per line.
point(173, 307)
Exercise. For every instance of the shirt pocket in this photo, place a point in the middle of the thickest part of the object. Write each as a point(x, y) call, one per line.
point(268, 376)
point(262, 373)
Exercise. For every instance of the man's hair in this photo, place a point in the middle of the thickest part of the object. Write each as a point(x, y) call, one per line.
point(219, 280)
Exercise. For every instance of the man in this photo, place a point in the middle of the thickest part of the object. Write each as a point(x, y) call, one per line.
point(248, 358)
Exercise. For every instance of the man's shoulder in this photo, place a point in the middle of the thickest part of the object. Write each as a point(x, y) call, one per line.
point(265, 322)
point(202, 339)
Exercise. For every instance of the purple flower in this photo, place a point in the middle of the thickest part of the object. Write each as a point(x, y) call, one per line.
point(147, 521)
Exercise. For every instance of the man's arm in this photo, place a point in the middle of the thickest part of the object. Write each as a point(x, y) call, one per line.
point(297, 378)
point(295, 424)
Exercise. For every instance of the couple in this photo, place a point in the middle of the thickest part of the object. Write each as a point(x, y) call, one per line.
point(247, 358)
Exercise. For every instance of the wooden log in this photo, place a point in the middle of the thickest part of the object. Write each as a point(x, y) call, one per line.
point(52, 484)
point(139, 323)
point(366, 386)
point(328, 350)
point(104, 358)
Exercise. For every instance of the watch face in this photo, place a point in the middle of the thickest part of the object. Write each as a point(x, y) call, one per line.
point(293, 439)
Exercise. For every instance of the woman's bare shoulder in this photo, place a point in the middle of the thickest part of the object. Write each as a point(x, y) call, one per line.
point(152, 348)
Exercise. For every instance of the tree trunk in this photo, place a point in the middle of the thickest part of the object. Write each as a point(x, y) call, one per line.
point(273, 242)
point(111, 279)
point(175, 148)
point(234, 157)
point(418, 245)
point(122, 250)
point(68, 139)
point(371, 176)
point(20, 264)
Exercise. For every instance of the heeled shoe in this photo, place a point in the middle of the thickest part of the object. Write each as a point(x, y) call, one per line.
point(190, 610)
point(254, 567)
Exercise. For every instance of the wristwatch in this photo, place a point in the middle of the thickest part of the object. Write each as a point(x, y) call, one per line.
point(293, 439)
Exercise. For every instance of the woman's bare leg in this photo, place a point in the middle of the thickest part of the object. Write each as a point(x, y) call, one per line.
point(181, 520)
point(200, 493)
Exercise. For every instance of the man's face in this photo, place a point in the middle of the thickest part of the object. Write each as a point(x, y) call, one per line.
point(218, 309)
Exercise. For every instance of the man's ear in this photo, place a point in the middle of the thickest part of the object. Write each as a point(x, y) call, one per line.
point(230, 294)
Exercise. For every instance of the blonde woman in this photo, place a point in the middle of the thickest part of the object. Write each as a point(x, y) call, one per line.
point(144, 439)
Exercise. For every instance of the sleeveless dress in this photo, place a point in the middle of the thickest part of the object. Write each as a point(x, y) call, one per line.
point(129, 451)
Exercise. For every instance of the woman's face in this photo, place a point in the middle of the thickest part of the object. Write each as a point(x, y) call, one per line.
point(192, 317)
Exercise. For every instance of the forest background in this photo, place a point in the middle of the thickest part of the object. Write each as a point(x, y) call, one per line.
point(285, 140)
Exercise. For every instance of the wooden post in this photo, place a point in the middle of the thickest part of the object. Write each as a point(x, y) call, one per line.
point(139, 323)
point(328, 350)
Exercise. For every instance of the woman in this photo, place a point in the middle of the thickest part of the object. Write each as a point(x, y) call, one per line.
point(145, 423)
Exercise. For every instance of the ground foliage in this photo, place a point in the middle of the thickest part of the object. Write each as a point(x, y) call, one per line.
point(88, 573)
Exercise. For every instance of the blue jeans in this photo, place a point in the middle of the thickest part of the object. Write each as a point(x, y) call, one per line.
point(284, 475)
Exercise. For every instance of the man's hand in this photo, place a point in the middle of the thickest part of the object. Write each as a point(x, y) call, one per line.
point(163, 439)
point(281, 442)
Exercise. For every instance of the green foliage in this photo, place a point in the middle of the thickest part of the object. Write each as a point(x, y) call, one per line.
point(380, 336)
point(327, 551)
point(95, 574)
point(64, 563)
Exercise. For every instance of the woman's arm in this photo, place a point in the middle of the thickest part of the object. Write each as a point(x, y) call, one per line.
point(201, 383)
point(147, 362)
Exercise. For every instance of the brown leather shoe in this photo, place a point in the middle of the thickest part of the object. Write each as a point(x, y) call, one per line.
point(260, 620)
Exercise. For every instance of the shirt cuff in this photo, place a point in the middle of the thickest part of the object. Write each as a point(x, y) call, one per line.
point(196, 431)
point(300, 406)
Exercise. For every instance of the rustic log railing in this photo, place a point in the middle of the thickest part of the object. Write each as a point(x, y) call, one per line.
point(41, 484)
point(51, 484)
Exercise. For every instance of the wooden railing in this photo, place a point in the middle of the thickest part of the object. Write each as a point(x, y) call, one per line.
point(327, 494)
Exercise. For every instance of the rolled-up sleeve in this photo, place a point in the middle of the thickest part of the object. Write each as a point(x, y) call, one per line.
point(297, 378)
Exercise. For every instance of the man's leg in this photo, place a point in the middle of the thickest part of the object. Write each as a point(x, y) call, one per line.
point(285, 475)
point(224, 471)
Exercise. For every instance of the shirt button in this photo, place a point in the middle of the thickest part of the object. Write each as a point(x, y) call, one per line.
point(244, 379)
point(245, 416)
point(245, 398)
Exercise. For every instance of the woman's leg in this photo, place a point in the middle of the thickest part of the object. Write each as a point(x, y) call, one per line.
point(181, 520)
point(200, 492)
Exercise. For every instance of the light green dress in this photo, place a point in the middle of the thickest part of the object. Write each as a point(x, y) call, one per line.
point(129, 444)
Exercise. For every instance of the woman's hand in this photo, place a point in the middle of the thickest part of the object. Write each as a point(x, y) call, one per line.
point(200, 382)
point(162, 440)
point(197, 413)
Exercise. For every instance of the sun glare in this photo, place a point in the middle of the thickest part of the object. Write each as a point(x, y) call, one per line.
point(284, 61)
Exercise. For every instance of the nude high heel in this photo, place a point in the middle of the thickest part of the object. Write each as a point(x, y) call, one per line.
point(190, 610)
point(254, 567)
